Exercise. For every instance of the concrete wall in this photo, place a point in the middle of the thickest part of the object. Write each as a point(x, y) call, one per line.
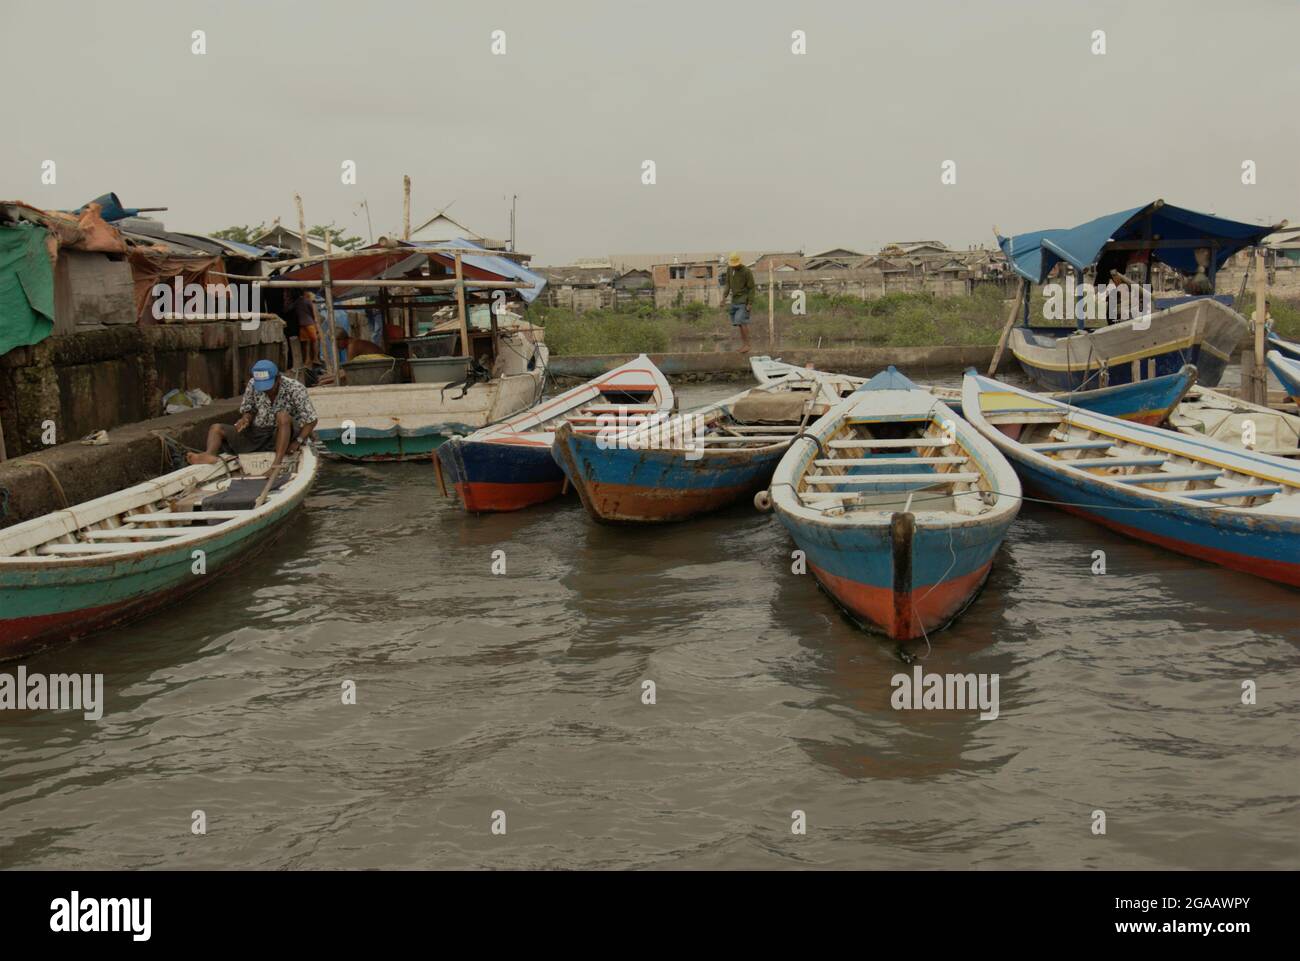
point(99, 379)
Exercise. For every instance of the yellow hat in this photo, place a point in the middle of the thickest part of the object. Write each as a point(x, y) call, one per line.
point(734, 259)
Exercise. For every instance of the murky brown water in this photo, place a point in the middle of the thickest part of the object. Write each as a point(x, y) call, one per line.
point(522, 693)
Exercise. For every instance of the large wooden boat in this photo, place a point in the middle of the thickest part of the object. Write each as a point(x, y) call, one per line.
point(1237, 423)
point(508, 465)
point(1287, 372)
point(1144, 402)
point(1193, 495)
point(698, 461)
point(898, 504)
point(1202, 332)
point(409, 421)
point(118, 557)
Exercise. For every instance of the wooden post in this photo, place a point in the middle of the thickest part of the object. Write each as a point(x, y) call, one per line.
point(3, 455)
point(460, 308)
point(771, 308)
point(1006, 330)
point(234, 360)
point(329, 310)
point(406, 208)
point(302, 225)
point(1260, 387)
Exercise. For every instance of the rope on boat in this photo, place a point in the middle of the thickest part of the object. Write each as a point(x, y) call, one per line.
point(1021, 497)
point(55, 478)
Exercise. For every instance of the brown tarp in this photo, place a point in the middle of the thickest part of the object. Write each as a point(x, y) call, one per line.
point(155, 265)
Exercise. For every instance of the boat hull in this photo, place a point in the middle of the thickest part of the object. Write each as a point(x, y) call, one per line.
point(621, 485)
point(1287, 372)
point(1264, 547)
point(494, 476)
point(51, 604)
point(1203, 333)
point(904, 586)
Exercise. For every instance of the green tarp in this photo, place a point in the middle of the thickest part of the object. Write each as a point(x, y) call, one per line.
point(26, 287)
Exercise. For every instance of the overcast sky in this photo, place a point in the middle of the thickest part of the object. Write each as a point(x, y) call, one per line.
point(755, 147)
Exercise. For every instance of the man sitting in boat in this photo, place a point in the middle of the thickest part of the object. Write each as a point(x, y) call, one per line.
point(276, 415)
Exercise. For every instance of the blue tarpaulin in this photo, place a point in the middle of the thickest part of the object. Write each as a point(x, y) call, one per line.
point(1033, 255)
point(498, 265)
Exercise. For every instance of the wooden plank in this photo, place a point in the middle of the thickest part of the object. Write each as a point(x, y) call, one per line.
point(46, 550)
point(1114, 462)
point(1072, 445)
point(1222, 493)
point(460, 309)
point(186, 516)
point(882, 443)
point(887, 461)
point(862, 480)
point(1170, 477)
point(746, 439)
point(125, 533)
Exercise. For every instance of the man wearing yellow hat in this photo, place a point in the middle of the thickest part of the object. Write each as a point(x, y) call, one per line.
point(738, 294)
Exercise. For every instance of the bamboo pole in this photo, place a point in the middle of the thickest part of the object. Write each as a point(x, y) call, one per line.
point(302, 226)
point(771, 308)
point(380, 252)
point(1261, 300)
point(329, 310)
point(406, 208)
point(383, 282)
point(3, 455)
point(460, 308)
point(1006, 330)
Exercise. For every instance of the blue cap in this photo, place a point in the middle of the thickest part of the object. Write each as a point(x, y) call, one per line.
point(264, 374)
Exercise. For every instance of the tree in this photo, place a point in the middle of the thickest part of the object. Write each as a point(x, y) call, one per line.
point(337, 238)
point(239, 234)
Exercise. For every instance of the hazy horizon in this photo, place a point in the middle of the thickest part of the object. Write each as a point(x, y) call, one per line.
point(756, 148)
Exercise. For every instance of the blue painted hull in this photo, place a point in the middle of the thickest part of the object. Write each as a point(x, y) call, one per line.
point(491, 477)
point(1209, 370)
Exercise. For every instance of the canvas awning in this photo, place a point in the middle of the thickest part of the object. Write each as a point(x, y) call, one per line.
point(1174, 234)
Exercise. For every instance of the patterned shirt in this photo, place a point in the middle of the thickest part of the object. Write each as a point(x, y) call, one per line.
point(291, 397)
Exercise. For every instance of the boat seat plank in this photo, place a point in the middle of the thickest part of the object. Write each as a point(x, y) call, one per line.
point(768, 428)
point(1052, 447)
point(125, 533)
point(745, 439)
point(888, 461)
point(903, 442)
point(1170, 477)
point(187, 516)
point(1115, 462)
point(926, 480)
point(1223, 493)
point(52, 549)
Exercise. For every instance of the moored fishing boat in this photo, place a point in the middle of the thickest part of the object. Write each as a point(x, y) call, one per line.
point(1287, 348)
point(508, 465)
point(115, 558)
point(1144, 402)
point(898, 504)
point(1142, 338)
point(1236, 422)
point(696, 462)
point(394, 422)
point(1193, 495)
point(1287, 372)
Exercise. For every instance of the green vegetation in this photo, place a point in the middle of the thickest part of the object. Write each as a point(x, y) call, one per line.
point(895, 320)
point(1285, 314)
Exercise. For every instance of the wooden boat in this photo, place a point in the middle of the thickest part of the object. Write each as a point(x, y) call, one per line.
point(1144, 402)
point(1222, 417)
point(392, 422)
point(898, 504)
point(508, 465)
point(1202, 332)
point(1287, 348)
point(696, 462)
point(118, 557)
point(1287, 372)
point(1194, 495)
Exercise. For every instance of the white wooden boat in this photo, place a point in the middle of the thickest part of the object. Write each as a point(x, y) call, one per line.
point(508, 465)
point(1231, 420)
point(408, 421)
point(898, 504)
point(118, 557)
point(1190, 494)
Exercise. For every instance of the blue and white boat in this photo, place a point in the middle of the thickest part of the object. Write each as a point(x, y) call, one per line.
point(898, 504)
